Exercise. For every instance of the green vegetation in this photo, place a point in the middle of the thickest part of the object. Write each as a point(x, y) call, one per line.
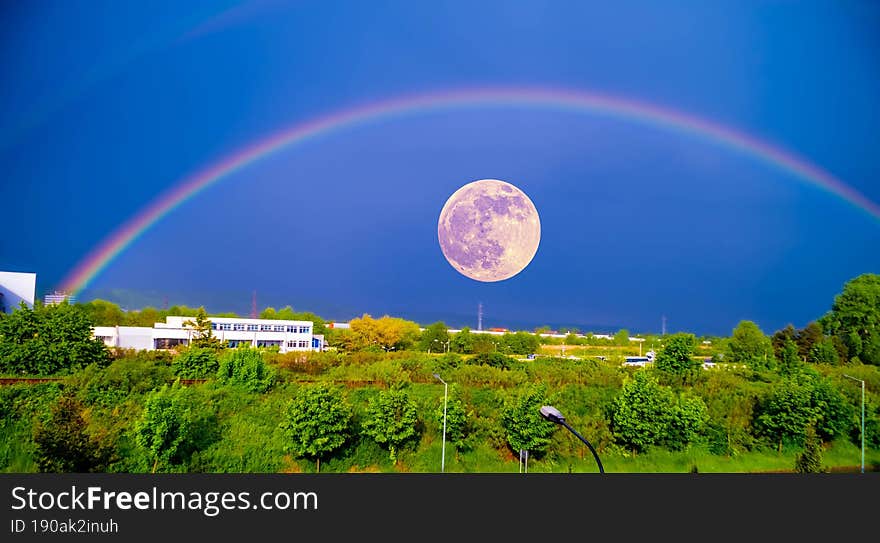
point(777, 403)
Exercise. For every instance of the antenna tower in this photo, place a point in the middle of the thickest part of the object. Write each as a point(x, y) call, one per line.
point(480, 317)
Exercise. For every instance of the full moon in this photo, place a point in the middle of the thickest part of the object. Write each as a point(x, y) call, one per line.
point(489, 230)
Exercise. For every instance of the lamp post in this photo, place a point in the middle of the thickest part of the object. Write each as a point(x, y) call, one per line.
point(443, 446)
point(863, 418)
point(553, 415)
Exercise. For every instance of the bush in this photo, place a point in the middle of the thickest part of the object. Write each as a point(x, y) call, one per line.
point(493, 359)
point(196, 363)
point(245, 367)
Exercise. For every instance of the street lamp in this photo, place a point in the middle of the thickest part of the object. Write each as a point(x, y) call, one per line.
point(863, 418)
point(443, 446)
point(553, 415)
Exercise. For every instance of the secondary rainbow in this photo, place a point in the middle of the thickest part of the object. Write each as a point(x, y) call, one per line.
point(569, 100)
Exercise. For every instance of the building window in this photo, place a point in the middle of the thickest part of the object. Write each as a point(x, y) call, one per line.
point(265, 328)
point(213, 326)
point(291, 344)
point(303, 329)
point(225, 326)
point(303, 344)
point(238, 327)
point(291, 329)
point(279, 327)
point(253, 327)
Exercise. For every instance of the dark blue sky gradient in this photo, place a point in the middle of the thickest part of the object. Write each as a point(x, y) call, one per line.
point(104, 105)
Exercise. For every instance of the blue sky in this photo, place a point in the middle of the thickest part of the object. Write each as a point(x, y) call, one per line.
point(104, 105)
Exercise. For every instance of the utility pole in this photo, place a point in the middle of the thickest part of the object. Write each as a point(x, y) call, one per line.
point(254, 305)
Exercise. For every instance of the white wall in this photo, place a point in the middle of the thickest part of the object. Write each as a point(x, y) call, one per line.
point(17, 287)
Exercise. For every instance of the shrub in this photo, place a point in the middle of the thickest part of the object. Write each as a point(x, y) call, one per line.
point(246, 368)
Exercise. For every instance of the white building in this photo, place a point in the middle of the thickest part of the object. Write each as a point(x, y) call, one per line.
point(285, 334)
point(16, 287)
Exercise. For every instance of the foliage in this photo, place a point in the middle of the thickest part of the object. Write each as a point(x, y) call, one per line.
point(168, 428)
point(520, 343)
point(386, 333)
point(748, 345)
point(203, 336)
point(196, 363)
point(391, 420)
point(801, 401)
point(789, 359)
point(824, 352)
point(521, 419)
point(317, 422)
point(855, 318)
point(810, 460)
point(676, 355)
point(120, 380)
point(495, 360)
point(645, 413)
point(63, 444)
point(621, 337)
point(462, 342)
point(434, 338)
point(245, 367)
point(319, 326)
point(47, 340)
point(458, 419)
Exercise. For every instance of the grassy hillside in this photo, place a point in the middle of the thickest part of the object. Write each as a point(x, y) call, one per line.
point(239, 431)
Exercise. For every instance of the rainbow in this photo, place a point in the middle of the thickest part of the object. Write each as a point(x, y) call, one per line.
point(568, 100)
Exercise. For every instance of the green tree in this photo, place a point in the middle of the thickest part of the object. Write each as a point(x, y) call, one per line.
point(676, 355)
point(748, 345)
point(392, 420)
point(646, 413)
point(686, 421)
point(789, 333)
point(48, 339)
point(810, 460)
point(434, 338)
point(807, 337)
point(166, 431)
point(520, 343)
point(317, 422)
point(104, 313)
point(621, 337)
point(458, 419)
point(484, 343)
point(789, 359)
point(196, 363)
point(522, 421)
point(855, 318)
point(462, 342)
point(203, 335)
point(246, 368)
point(147, 316)
point(63, 444)
point(824, 352)
point(802, 400)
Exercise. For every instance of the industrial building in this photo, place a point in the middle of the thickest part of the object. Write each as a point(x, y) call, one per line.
point(286, 335)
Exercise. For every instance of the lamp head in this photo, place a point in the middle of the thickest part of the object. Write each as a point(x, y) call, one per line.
point(552, 414)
